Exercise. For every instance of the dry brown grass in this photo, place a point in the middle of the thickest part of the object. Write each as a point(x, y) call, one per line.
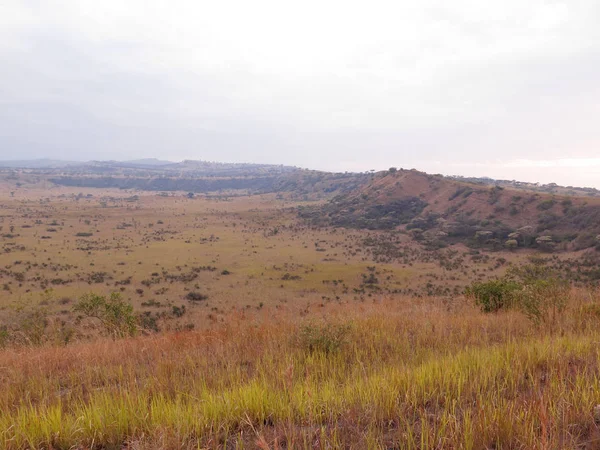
point(407, 375)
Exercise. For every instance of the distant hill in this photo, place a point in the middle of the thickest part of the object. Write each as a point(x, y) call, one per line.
point(433, 209)
point(38, 164)
point(150, 166)
point(439, 211)
point(550, 188)
point(297, 184)
point(146, 162)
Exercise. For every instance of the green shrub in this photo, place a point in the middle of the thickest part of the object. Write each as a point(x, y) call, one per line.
point(115, 314)
point(543, 300)
point(178, 311)
point(543, 294)
point(4, 337)
point(326, 339)
point(534, 289)
point(33, 325)
point(546, 204)
point(493, 295)
point(149, 322)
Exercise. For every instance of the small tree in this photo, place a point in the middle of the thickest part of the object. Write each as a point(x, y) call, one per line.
point(511, 244)
point(114, 313)
point(545, 243)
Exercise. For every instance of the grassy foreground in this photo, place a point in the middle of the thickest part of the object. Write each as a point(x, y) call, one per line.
point(403, 374)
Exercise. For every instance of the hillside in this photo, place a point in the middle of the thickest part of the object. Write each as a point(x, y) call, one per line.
point(550, 188)
point(189, 176)
point(440, 211)
point(298, 184)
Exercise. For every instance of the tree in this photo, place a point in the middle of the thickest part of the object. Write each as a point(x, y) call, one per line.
point(511, 244)
point(545, 243)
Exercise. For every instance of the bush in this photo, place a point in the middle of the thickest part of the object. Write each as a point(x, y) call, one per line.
point(493, 295)
point(4, 337)
point(178, 311)
point(326, 339)
point(545, 205)
point(32, 326)
point(149, 322)
point(534, 289)
point(543, 294)
point(115, 314)
point(196, 296)
point(543, 300)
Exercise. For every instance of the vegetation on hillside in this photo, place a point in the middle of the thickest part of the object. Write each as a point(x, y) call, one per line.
point(439, 211)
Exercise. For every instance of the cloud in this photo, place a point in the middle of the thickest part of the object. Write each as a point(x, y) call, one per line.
point(566, 163)
point(330, 85)
point(581, 172)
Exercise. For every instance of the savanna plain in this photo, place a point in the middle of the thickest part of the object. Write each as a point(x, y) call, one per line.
point(151, 320)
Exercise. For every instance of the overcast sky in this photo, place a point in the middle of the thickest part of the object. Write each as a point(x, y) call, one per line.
point(508, 89)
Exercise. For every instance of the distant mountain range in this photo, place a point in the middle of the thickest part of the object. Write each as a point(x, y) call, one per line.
point(150, 174)
point(45, 163)
point(149, 167)
point(38, 164)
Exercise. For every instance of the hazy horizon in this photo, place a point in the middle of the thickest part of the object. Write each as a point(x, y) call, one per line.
point(506, 90)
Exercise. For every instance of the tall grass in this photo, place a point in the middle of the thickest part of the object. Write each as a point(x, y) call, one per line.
point(402, 375)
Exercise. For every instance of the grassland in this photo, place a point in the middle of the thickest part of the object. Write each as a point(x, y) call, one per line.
point(244, 253)
point(301, 338)
point(390, 374)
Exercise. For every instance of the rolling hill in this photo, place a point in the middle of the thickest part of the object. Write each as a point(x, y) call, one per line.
point(440, 211)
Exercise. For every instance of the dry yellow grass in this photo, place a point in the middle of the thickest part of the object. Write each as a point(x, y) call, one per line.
point(406, 375)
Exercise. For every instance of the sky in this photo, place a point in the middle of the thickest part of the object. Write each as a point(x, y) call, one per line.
point(507, 89)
